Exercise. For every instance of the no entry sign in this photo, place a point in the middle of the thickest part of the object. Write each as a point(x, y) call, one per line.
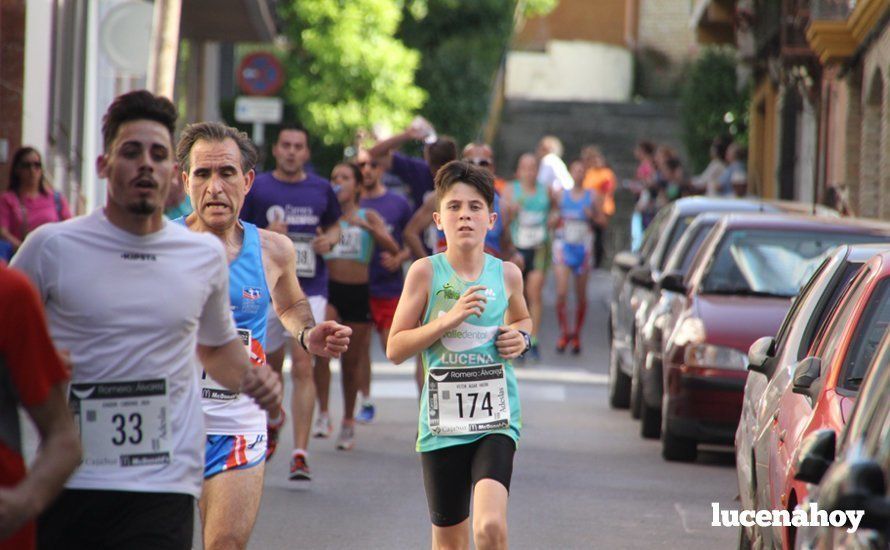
point(260, 73)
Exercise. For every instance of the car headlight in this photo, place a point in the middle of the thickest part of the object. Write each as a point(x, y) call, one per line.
point(690, 331)
point(706, 355)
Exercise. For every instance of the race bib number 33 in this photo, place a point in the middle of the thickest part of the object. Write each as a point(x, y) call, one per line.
point(468, 400)
point(123, 424)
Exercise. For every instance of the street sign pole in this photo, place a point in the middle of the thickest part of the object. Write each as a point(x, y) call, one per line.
point(259, 133)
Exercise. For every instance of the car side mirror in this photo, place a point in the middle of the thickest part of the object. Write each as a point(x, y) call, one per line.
point(858, 486)
point(815, 455)
point(642, 276)
point(673, 282)
point(759, 354)
point(807, 377)
point(626, 260)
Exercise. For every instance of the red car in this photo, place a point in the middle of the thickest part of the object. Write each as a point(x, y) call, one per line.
point(738, 289)
point(825, 384)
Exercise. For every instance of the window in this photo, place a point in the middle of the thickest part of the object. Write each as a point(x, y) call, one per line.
point(676, 233)
point(828, 341)
point(804, 297)
point(827, 304)
point(867, 335)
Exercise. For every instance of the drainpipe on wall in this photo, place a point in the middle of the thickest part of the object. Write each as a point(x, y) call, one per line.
point(164, 47)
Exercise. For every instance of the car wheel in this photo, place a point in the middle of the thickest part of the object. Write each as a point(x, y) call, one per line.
point(650, 421)
point(636, 387)
point(675, 448)
point(619, 383)
point(744, 541)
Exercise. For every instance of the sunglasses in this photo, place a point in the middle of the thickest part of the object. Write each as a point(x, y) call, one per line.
point(366, 163)
point(479, 162)
point(35, 164)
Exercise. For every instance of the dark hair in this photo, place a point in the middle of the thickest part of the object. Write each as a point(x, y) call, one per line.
point(356, 174)
point(14, 181)
point(215, 131)
point(440, 153)
point(673, 163)
point(137, 105)
point(647, 147)
point(458, 171)
point(294, 127)
point(720, 144)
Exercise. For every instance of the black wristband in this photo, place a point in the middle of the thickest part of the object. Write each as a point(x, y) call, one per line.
point(528, 342)
point(301, 338)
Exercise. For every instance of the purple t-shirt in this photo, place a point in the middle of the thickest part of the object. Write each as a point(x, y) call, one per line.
point(304, 206)
point(415, 173)
point(395, 211)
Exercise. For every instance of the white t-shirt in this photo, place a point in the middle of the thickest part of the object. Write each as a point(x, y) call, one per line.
point(130, 310)
point(553, 172)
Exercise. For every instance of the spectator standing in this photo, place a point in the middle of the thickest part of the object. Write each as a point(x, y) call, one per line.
point(709, 180)
point(30, 201)
point(601, 179)
point(552, 170)
point(735, 170)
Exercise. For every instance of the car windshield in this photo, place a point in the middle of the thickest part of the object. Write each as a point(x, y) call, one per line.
point(676, 233)
point(769, 262)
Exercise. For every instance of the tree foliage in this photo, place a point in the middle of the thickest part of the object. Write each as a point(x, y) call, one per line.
point(346, 69)
point(462, 44)
point(711, 103)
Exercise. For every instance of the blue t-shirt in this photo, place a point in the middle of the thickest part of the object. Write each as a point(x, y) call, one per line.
point(304, 206)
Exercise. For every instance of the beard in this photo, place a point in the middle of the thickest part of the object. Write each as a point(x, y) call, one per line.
point(142, 207)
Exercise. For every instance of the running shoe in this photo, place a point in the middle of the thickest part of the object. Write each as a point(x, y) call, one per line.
point(272, 431)
point(366, 414)
point(576, 344)
point(299, 469)
point(346, 439)
point(323, 428)
point(562, 343)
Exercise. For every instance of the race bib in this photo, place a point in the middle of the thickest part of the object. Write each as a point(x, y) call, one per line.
point(576, 231)
point(123, 424)
point(467, 400)
point(531, 231)
point(210, 388)
point(305, 254)
point(350, 245)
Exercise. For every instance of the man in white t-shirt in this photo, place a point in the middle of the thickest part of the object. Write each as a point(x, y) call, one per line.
point(131, 296)
point(552, 170)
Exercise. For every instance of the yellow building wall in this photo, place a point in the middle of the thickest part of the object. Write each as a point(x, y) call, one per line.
point(590, 20)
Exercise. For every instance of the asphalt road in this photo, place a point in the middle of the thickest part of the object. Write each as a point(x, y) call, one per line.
point(583, 478)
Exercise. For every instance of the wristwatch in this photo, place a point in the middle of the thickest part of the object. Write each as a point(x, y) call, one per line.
point(528, 342)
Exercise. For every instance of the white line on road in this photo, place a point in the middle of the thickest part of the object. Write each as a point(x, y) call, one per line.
point(682, 513)
point(537, 373)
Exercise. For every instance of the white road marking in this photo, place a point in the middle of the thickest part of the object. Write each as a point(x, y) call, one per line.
point(682, 514)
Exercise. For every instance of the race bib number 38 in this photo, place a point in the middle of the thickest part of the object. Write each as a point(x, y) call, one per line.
point(468, 400)
point(305, 254)
point(123, 424)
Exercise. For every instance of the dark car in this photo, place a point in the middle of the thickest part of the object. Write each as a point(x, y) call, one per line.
point(646, 382)
point(859, 477)
point(738, 290)
point(634, 273)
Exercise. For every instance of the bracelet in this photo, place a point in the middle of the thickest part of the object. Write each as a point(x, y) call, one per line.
point(301, 339)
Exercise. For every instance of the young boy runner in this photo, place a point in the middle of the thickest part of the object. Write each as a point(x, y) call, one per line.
point(464, 311)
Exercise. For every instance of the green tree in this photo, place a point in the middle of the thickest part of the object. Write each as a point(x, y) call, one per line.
point(711, 103)
point(346, 69)
point(462, 43)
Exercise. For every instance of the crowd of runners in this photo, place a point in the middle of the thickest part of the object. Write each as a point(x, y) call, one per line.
point(153, 317)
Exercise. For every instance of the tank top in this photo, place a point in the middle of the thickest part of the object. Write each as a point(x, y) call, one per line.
point(227, 412)
point(469, 391)
point(492, 238)
point(356, 243)
point(575, 226)
point(529, 229)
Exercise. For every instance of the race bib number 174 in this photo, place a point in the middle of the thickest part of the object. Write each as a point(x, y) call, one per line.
point(467, 400)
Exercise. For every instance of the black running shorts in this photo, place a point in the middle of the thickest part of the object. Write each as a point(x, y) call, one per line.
point(450, 474)
point(89, 520)
point(352, 302)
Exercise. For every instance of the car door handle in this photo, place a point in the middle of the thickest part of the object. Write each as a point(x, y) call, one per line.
point(782, 436)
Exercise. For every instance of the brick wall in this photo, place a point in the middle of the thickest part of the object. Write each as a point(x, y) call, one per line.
point(12, 60)
point(664, 28)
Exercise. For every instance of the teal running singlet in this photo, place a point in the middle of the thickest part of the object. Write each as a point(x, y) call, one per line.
point(469, 390)
point(356, 243)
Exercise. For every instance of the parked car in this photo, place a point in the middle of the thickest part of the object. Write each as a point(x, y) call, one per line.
point(634, 273)
point(770, 365)
point(646, 381)
point(824, 385)
point(738, 289)
point(860, 475)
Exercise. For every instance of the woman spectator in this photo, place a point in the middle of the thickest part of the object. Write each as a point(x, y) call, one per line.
point(31, 201)
point(601, 179)
point(735, 169)
point(708, 181)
